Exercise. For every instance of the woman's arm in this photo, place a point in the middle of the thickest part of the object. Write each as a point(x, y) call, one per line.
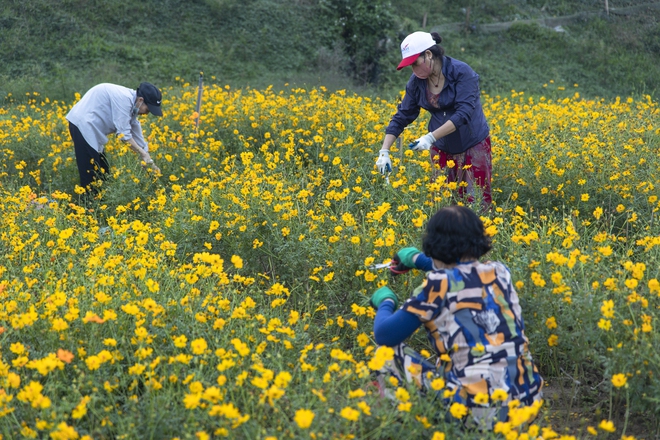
point(467, 95)
point(392, 328)
point(445, 129)
point(407, 111)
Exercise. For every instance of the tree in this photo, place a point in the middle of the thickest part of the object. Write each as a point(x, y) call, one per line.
point(366, 30)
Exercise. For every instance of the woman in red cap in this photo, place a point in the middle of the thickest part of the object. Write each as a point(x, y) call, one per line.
point(449, 90)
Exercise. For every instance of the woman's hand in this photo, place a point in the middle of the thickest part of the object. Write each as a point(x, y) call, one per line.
point(383, 294)
point(384, 164)
point(423, 143)
point(147, 160)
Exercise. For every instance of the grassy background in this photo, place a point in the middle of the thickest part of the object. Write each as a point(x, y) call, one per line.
point(58, 47)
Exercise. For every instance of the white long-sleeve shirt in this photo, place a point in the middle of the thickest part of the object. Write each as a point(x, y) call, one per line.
point(106, 109)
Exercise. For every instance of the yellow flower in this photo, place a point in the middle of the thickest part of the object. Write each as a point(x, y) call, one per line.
point(607, 425)
point(356, 393)
point(438, 384)
point(304, 418)
point(80, 410)
point(402, 395)
point(362, 339)
point(350, 414)
point(282, 379)
point(499, 395)
point(553, 340)
point(481, 398)
point(382, 355)
point(17, 348)
point(64, 432)
point(93, 363)
point(619, 380)
point(180, 341)
point(364, 408)
point(458, 410)
point(548, 433)
point(198, 346)
point(607, 309)
point(237, 261)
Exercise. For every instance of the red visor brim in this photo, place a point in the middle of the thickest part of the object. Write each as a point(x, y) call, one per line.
point(407, 61)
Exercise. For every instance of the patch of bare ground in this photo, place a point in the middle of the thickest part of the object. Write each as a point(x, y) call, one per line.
point(572, 408)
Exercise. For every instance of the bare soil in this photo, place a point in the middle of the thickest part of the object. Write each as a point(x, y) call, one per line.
point(570, 408)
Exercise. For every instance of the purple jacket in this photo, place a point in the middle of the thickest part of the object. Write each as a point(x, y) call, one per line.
point(459, 102)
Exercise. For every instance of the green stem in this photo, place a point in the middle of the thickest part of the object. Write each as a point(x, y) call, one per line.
point(610, 415)
point(625, 424)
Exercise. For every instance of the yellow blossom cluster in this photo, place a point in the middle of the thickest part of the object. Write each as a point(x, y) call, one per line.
point(229, 296)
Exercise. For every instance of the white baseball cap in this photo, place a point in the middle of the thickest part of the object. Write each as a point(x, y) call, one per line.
point(412, 46)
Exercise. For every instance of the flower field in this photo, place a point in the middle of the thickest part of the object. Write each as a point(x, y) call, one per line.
point(228, 297)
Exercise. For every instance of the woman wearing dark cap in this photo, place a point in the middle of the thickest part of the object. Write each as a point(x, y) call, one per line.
point(106, 109)
point(449, 90)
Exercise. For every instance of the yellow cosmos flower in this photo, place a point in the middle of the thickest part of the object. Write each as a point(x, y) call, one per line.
point(458, 410)
point(499, 395)
point(198, 346)
point(437, 384)
point(481, 398)
point(350, 414)
point(607, 425)
point(304, 418)
point(237, 261)
point(402, 395)
point(619, 380)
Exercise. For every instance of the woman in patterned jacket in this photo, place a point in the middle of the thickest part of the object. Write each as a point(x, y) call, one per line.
point(472, 317)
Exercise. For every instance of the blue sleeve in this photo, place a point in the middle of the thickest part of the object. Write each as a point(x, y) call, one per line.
point(407, 111)
point(467, 95)
point(392, 328)
point(422, 262)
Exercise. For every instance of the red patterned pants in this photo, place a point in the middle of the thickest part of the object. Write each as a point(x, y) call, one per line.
point(474, 167)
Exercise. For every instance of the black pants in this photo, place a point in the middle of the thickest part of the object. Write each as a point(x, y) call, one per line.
point(92, 165)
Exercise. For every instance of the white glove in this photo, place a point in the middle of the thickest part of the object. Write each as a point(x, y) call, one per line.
point(423, 143)
point(384, 164)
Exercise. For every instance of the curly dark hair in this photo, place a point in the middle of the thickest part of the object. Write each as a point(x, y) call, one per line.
point(455, 233)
